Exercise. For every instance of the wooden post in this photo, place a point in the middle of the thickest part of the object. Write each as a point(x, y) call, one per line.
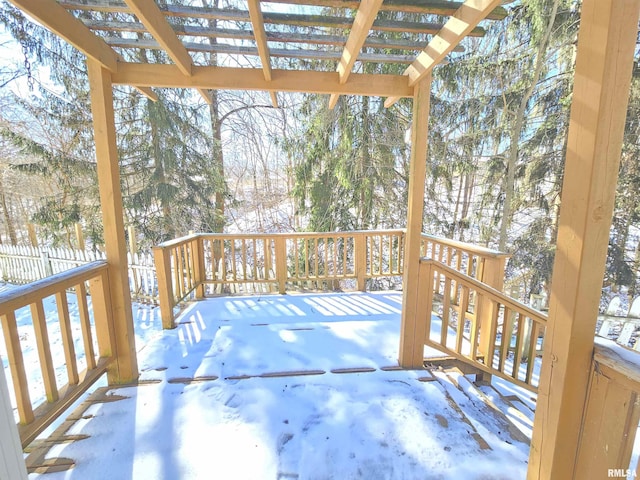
point(11, 458)
point(101, 302)
point(604, 61)
point(281, 263)
point(80, 237)
point(493, 275)
point(162, 262)
point(197, 250)
point(412, 331)
point(126, 369)
point(360, 247)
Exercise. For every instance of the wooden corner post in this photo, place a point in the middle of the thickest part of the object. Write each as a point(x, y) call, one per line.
point(412, 331)
point(604, 61)
point(125, 369)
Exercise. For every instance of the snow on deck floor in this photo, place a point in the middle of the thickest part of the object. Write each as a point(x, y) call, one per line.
point(374, 425)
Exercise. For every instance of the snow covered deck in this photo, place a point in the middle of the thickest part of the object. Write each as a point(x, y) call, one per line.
point(290, 387)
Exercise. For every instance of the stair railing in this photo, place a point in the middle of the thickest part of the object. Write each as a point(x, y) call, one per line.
point(481, 325)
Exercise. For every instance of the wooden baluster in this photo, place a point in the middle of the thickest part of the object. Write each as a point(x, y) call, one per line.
point(336, 270)
point(446, 305)
point(533, 343)
point(187, 259)
point(255, 273)
point(505, 340)
point(85, 325)
point(425, 300)
point(517, 359)
point(462, 316)
point(67, 337)
point(360, 245)
point(267, 259)
point(281, 263)
point(177, 275)
point(316, 254)
point(44, 350)
point(494, 309)
point(345, 265)
point(475, 325)
point(16, 366)
point(234, 270)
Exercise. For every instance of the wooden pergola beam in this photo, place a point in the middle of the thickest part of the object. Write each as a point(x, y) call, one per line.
point(604, 62)
point(273, 52)
point(220, 78)
point(436, 7)
point(365, 16)
point(300, 20)
point(255, 14)
point(239, 34)
point(466, 18)
point(53, 16)
point(155, 22)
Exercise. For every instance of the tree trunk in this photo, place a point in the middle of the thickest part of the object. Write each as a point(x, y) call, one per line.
point(516, 132)
point(11, 229)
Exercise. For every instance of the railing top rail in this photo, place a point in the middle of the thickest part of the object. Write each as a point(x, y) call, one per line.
point(468, 247)
point(26, 294)
point(621, 360)
point(178, 241)
point(182, 240)
point(497, 294)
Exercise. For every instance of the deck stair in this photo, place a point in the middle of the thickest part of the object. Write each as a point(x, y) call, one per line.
point(482, 404)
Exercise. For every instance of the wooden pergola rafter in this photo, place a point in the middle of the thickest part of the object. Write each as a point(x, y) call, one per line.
point(173, 28)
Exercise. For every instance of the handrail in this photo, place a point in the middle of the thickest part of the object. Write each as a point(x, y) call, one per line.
point(468, 247)
point(187, 238)
point(18, 297)
point(494, 294)
point(91, 278)
point(204, 263)
point(611, 412)
point(192, 266)
point(478, 323)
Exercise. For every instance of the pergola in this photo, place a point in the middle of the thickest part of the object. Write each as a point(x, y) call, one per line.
point(109, 32)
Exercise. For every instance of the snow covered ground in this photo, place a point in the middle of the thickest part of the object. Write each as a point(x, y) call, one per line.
point(255, 388)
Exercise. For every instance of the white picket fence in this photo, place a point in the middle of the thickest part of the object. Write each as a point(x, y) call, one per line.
point(23, 264)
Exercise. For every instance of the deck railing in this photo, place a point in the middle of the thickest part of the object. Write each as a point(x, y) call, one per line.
point(214, 263)
point(79, 352)
point(483, 264)
point(611, 414)
point(480, 324)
